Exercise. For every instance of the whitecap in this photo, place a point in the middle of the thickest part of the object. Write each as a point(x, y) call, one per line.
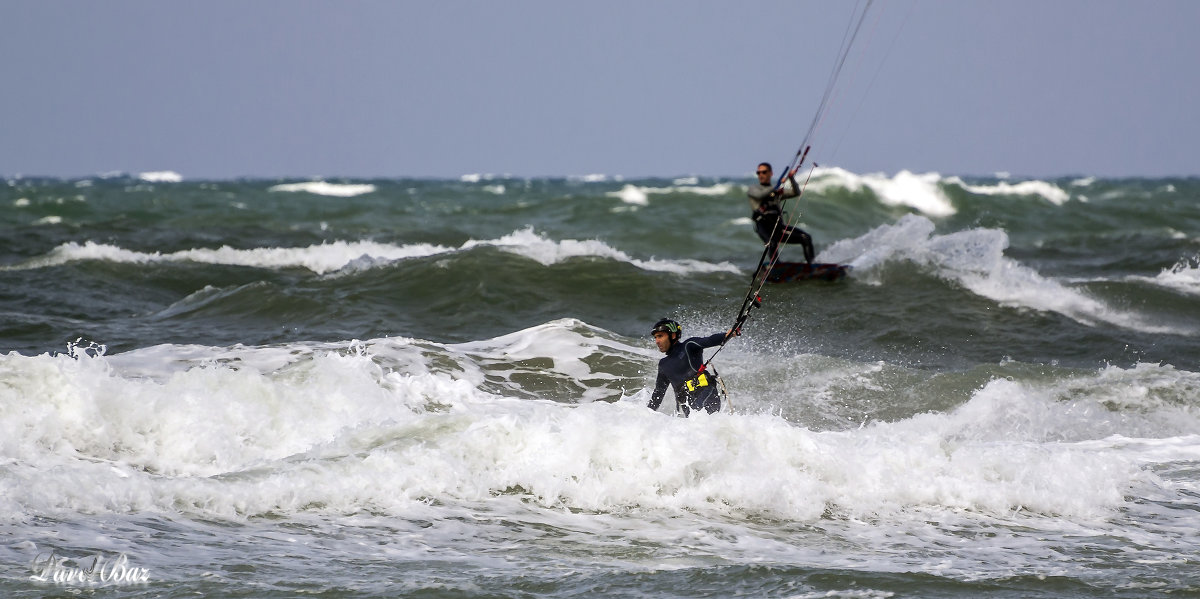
point(358, 255)
point(341, 190)
point(161, 177)
point(320, 259)
point(1183, 276)
point(918, 191)
point(640, 195)
point(630, 194)
point(529, 244)
point(975, 260)
point(1049, 191)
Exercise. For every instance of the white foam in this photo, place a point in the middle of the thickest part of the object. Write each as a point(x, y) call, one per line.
point(337, 255)
point(1049, 191)
point(566, 344)
point(630, 194)
point(716, 189)
point(1183, 276)
point(161, 177)
point(640, 195)
point(323, 258)
point(340, 190)
point(206, 419)
point(918, 191)
point(975, 259)
point(231, 432)
point(923, 192)
point(529, 244)
point(982, 456)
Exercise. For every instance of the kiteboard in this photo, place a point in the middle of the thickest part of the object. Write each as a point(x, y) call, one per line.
point(786, 272)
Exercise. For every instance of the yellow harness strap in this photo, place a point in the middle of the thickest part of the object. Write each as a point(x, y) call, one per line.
point(700, 381)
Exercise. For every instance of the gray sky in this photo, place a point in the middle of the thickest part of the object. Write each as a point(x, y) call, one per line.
point(267, 88)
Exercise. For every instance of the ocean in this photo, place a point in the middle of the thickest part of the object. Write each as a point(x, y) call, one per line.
point(437, 388)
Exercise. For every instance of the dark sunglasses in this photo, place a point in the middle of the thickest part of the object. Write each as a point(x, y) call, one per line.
point(763, 172)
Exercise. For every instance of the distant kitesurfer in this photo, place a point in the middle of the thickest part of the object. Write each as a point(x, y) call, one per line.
point(766, 200)
point(683, 369)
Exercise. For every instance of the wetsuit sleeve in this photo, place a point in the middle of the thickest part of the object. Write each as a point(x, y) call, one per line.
point(695, 350)
point(660, 389)
point(792, 191)
point(710, 341)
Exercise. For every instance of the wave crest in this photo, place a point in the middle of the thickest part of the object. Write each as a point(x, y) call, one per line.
point(338, 255)
point(339, 190)
point(975, 260)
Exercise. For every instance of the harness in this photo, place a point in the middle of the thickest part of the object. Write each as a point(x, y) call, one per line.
point(700, 382)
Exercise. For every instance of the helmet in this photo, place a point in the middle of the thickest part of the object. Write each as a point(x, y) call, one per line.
point(667, 326)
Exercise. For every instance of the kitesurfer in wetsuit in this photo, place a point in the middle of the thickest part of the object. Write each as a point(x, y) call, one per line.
point(681, 369)
point(766, 200)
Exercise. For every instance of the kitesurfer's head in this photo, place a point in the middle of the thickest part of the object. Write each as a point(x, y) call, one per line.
point(764, 172)
point(665, 332)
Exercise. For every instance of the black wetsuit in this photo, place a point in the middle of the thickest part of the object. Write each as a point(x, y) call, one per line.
point(680, 364)
point(764, 200)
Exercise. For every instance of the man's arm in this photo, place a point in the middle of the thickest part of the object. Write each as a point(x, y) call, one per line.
point(660, 389)
point(794, 190)
point(710, 341)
